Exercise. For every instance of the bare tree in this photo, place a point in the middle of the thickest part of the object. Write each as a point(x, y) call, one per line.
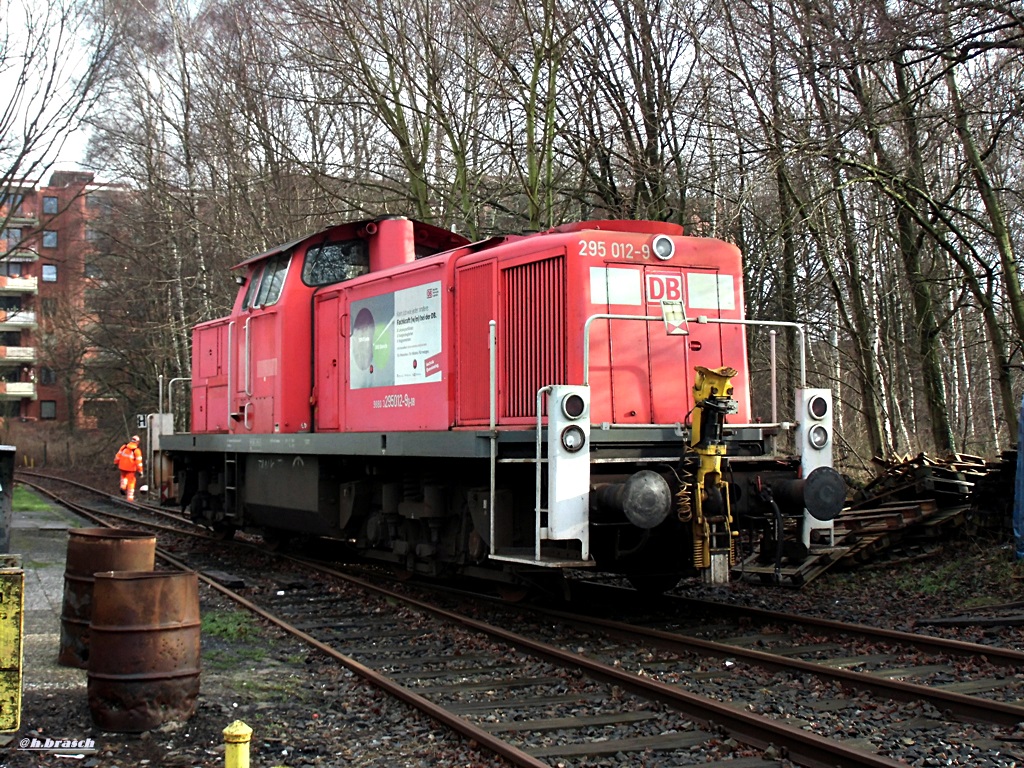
point(866, 159)
point(53, 63)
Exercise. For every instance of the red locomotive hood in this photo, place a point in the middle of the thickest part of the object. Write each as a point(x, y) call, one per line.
point(619, 225)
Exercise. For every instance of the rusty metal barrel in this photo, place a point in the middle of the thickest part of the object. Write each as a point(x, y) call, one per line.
point(144, 664)
point(91, 550)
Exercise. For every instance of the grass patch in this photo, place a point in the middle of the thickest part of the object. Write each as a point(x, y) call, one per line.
point(934, 577)
point(227, 660)
point(27, 500)
point(944, 577)
point(229, 625)
point(977, 573)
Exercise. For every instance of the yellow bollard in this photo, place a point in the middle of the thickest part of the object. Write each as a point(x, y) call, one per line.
point(236, 741)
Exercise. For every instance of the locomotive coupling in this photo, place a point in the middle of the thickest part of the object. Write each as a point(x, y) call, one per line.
point(822, 493)
point(645, 498)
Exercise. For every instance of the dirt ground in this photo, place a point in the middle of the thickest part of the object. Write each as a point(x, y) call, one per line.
point(306, 711)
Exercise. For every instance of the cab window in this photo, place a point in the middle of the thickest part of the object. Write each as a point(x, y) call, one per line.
point(335, 262)
point(253, 286)
point(267, 280)
point(273, 279)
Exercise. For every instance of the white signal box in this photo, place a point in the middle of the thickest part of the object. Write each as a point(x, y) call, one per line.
point(568, 504)
point(814, 442)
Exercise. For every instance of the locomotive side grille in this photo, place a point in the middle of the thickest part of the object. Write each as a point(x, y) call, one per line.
point(532, 333)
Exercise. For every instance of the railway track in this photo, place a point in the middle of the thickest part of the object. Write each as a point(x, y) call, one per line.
point(903, 665)
point(552, 690)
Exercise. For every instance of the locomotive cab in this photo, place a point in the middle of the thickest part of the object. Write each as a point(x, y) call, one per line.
point(252, 371)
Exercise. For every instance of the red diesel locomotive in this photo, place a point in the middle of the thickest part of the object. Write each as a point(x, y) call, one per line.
point(576, 398)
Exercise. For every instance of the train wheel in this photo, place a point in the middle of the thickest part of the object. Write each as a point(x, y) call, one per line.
point(653, 583)
point(512, 594)
point(545, 582)
point(275, 539)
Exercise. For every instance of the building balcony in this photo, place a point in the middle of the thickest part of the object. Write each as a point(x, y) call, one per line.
point(17, 319)
point(17, 390)
point(22, 218)
point(23, 285)
point(21, 254)
point(17, 355)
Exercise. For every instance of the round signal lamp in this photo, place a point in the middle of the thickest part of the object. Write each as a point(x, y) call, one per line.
point(817, 407)
point(573, 405)
point(573, 438)
point(663, 247)
point(818, 436)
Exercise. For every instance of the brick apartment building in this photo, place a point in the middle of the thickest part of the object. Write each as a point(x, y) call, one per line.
point(47, 234)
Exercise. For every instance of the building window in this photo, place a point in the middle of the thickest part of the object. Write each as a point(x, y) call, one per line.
point(10, 268)
point(48, 307)
point(49, 238)
point(49, 273)
point(12, 202)
point(48, 409)
point(93, 270)
point(12, 235)
point(49, 205)
point(47, 376)
point(98, 202)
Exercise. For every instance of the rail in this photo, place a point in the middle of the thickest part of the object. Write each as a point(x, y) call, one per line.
point(492, 355)
point(247, 380)
point(705, 320)
point(170, 399)
point(678, 427)
point(231, 379)
point(537, 475)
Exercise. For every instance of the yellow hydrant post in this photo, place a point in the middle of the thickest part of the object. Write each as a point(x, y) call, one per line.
point(236, 742)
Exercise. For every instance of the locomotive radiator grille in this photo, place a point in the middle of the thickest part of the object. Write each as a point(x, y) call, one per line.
point(533, 333)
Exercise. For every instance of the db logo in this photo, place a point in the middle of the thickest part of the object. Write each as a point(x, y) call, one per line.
point(664, 288)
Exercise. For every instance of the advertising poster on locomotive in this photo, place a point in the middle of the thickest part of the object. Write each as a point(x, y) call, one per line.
point(396, 338)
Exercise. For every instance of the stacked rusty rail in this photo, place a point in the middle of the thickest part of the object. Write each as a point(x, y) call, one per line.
point(914, 503)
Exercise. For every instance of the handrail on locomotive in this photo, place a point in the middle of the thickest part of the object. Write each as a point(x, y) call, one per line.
point(577, 524)
point(678, 427)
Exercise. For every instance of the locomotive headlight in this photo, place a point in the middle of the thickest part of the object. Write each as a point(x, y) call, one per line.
point(663, 247)
point(573, 438)
point(573, 406)
point(817, 407)
point(817, 436)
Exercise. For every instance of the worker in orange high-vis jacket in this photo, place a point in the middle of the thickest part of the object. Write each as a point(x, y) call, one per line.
point(129, 461)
